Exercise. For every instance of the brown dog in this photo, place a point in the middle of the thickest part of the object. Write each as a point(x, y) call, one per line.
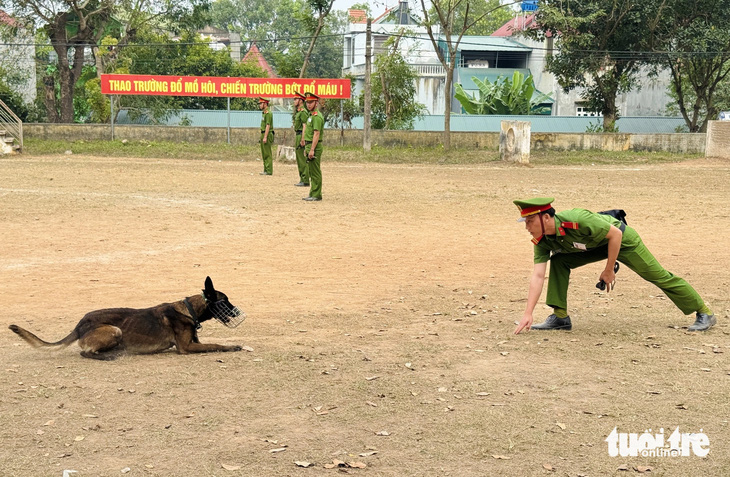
point(105, 334)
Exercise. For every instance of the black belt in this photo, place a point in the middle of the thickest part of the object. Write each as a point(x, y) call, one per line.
point(310, 142)
point(298, 131)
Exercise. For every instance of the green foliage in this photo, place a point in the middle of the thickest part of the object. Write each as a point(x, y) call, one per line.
point(505, 97)
point(282, 31)
point(485, 16)
point(693, 39)
point(597, 44)
point(393, 92)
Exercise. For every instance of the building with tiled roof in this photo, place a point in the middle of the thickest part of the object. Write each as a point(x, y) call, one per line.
point(254, 54)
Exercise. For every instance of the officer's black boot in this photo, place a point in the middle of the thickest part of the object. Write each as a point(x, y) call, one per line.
point(554, 323)
point(703, 322)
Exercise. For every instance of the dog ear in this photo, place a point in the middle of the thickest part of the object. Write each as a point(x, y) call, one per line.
point(209, 291)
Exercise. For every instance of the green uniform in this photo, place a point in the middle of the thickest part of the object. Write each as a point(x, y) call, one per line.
point(581, 239)
point(300, 118)
point(267, 118)
point(315, 122)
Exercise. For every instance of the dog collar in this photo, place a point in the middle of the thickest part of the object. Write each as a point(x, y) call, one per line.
point(193, 316)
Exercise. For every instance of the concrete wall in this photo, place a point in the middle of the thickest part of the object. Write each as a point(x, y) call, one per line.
point(678, 143)
point(718, 139)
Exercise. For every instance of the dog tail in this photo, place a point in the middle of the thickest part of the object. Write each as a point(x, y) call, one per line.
point(36, 342)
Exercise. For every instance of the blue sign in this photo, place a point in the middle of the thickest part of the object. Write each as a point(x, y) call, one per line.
point(529, 5)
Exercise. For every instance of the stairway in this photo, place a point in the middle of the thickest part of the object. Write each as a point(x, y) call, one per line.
point(7, 143)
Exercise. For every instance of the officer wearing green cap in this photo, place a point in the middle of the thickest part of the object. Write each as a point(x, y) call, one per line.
point(313, 146)
point(577, 237)
point(267, 136)
point(300, 124)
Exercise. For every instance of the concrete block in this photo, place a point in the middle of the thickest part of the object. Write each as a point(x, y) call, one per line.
point(718, 139)
point(514, 141)
point(286, 154)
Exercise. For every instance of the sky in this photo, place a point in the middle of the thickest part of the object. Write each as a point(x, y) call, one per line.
point(376, 6)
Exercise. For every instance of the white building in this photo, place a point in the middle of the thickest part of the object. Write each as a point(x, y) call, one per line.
point(17, 56)
point(484, 57)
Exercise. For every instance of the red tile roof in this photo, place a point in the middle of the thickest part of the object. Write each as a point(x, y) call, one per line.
point(6, 19)
point(254, 54)
point(516, 24)
point(358, 16)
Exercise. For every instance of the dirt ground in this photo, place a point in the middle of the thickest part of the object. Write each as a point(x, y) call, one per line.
point(379, 321)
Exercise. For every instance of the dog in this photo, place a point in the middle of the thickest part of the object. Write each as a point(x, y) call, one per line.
point(106, 334)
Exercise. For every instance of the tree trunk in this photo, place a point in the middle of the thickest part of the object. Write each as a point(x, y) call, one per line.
point(320, 25)
point(49, 98)
point(447, 98)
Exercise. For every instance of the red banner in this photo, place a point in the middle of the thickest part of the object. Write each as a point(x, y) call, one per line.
point(223, 87)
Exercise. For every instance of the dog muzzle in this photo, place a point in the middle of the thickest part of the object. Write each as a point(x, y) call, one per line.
point(227, 314)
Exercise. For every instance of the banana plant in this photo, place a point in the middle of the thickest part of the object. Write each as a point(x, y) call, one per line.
point(504, 97)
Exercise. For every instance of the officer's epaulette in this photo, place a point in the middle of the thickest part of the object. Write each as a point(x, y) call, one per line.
point(536, 240)
point(569, 225)
point(314, 113)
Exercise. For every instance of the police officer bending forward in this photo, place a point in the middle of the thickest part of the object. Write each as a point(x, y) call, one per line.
point(576, 237)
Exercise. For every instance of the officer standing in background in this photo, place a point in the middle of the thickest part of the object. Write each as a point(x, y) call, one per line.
point(313, 146)
point(300, 124)
point(267, 136)
point(577, 237)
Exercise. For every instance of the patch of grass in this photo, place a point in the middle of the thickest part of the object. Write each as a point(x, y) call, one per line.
point(144, 149)
point(345, 154)
point(606, 157)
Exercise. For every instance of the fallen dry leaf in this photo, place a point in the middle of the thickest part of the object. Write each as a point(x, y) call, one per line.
point(623, 467)
point(335, 463)
point(548, 467)
point(277, 450)
point(501, 457)
point(642, 469)
point(357, 465)
point(301, 463)
point(382, 433)
point(368, 454)
point(560, 425)
point(230, 467)
point(79, 438)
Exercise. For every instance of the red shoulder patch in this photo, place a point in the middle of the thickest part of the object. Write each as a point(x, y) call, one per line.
point(570, 225)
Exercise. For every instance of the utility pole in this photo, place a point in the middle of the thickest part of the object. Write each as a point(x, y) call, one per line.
point(368, 66)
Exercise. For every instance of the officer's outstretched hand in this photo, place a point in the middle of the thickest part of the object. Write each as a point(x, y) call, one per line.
point(524, 325)
point(609, 278)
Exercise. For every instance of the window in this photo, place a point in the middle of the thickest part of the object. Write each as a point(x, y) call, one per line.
point(584, 111)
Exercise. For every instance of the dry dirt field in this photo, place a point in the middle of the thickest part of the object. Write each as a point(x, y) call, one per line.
point(379, 326)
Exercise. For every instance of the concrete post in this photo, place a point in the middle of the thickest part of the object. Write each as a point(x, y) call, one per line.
point(514, 141)
point(718, 139)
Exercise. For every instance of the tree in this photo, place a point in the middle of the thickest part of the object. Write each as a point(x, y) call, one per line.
point(314, 24)
point(394, 89)
point(598, 41)
point(692, 36)
point(485, 24)
point(73, 26)
point(504, 96)
point(279, 30)
point(452, 18)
